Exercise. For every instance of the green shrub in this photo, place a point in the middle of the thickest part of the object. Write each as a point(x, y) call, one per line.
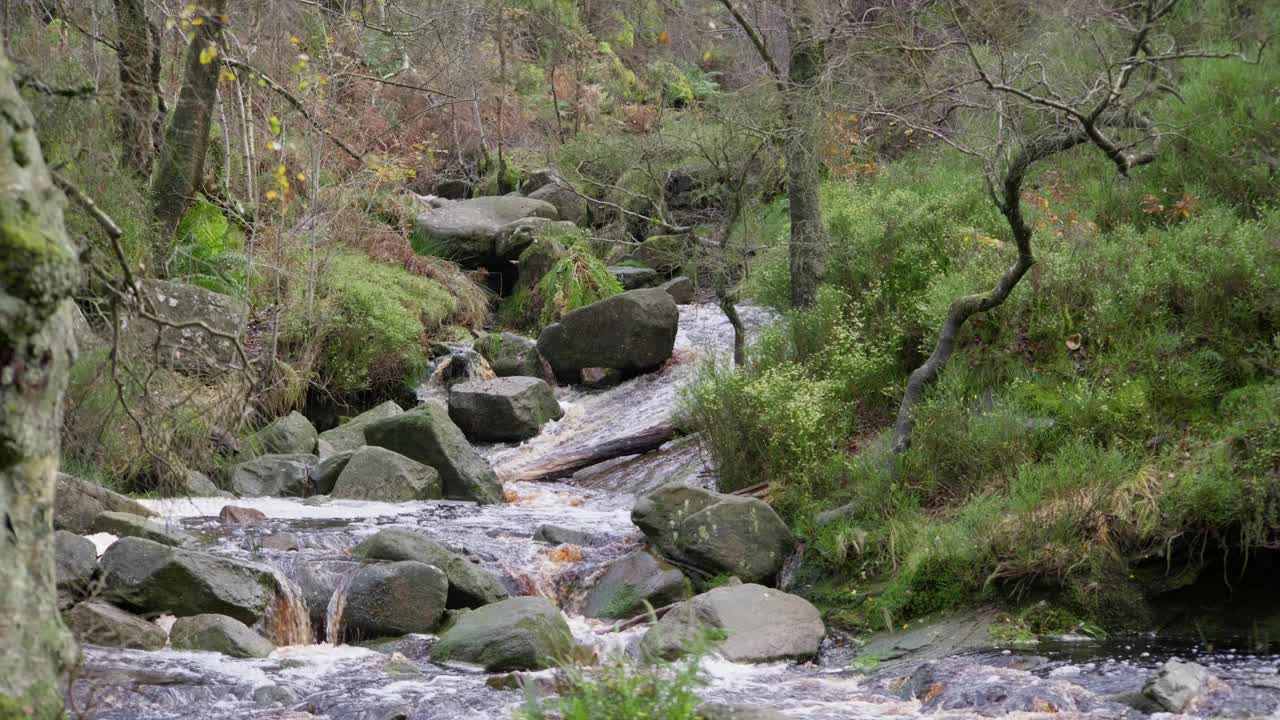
point(575, 279)
point(208, 250)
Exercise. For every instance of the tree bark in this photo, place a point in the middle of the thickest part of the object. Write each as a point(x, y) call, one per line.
point(41, 267)
point(134, 54)
point(186, 141)
point(803, 112)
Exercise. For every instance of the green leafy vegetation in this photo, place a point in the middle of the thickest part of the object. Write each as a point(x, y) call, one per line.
point(576, 277)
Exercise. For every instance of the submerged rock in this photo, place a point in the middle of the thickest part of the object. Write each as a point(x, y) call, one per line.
point(1178, 686)
point(758, 624)
point(715, 533)
point(470, 586)
point(75, 562)
point(375, 473)
point(220, 634)
point(76, 503)
point(511, 354)
point(395, 599)
point(129, 525)
point(632, 332)
point(557, 535)
point(468, 229)
point(281, 541)
point(427, 435)
point(505, 409)
point(292, 434)
point(98, 623)
point(149, 577)
point(273, 475)
point(236, 515)
point(521, 633)
point(350, 435)
point(630, 582)
point(720, 711)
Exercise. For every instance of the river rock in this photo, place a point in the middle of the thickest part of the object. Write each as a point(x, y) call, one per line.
point(76, 503)
point(720, 711)
point(98, 623)
point(467, 229)
point(511, 354)
point(505, 409)
point(631, 332)
point(128, 525)
point(197, 484)
point(470, 586)
point(149, 577)
point(520, 633)
point(324, 474)
point(759, 625)
point(395, 599)
point(292, 434)
point(558, 535)
point(191, 350)
point(1178, 686)
point(680, 289)
point(350, 435)
point(75, 562)
point(426, 434)
point(280, 542)
point(375, 473)
point(539, 178)
point(515, 237)
point(571, 206)
point(715, 533)
point(236, 515)
point(633, 278)
point(630, 582)
point(220, 634)
point(537, 259)
point(273, 475)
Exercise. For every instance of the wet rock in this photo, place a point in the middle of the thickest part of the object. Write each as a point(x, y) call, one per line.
point(236, 515)
point(350, 435)
point(633, 278)
point(427, 435)
point(680, 289)
point(468, 229)
point(720, 711)
point(274, 695)
point(292, 434)
point(521, 633)
point(395, 599)
point(98, 623)
point(220, 634)
point(1178, 686)
point(715, 533)
point(76, 503)
point(75, 562)
point(630, 582)
point(571, 206)
point(190, 350)
point(557, 535)
point(281, 542)
point(324, 474)
point(759, 624)
point(128, 525)
point(511, 354)
point(631, 332)
point(146, 576)
point(470, 586)
point(375, 473)
point(954, 685)
point(505, 409)
point(601, 377)
point(273, 475)
point(197, 484)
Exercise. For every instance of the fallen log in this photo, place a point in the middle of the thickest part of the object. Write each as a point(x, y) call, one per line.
point(562, 466)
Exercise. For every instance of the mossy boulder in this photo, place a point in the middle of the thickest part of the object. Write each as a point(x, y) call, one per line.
point(128, 525)
point(75, 563)
point(149, 577)
point(426, 434)
point(680, 289)
point(537, 259)
point(76, 503)
point(273, 475)
point(292, 434)
point(521, 633)
point(395, 599)
point(632, 277)
point(466, 230)
point(324, 474)
point(511, 354)
point(505, 409)
point(515, 237)
point(571, 206)
point(220, 634)
point(755, 624)
point(350, 435)
point(470, 586)
point(375, 473)
point(632, 332)
point(94, 622)
point(630, 582)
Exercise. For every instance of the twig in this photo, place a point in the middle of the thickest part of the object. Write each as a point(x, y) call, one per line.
point(296, 103)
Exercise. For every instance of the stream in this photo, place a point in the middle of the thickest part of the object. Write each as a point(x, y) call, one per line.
point(312, 677)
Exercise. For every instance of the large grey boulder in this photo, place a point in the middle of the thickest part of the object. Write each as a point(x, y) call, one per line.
point(511, 354)
point(515, 237)
point(537, 259)
point(350, 435)
point(273, 475)
point(715, 533)
point(571, 206)
point(184, 346)
point(220, 634)
point(76, 503)
point(324, 474)
point(426, 434)
point(470, 586)
point(375, 473)
point(94, 622)
point(758, 624)
point(128, 525)
point(633, 278)
point(292, 434)
point(197, 484)
point(505, 409)
point(395, 599)
point(538, 179)
point(631, 332)
point(680, 289)
point(146, 576)
point(75, 562)
point(630, 582)
point(520, 633)
point(1179, 685)
point(467, 230)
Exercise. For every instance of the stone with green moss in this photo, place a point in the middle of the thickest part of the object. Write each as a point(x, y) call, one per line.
point(350, 434)
point(757, 624)
point(220, 634)
point(374, 473)
point(291, 434)
point(470, 586)
point(631, 332)
point(428, 435)
point(510, 354)
point(521, 633)
point(99, 623)
point(630, 582)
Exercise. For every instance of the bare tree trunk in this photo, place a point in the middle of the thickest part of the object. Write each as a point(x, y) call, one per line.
point(503, 187)
point(730, 311)
point(808, 233)
point(137, 94)
point(41, 267)
point(187, 139)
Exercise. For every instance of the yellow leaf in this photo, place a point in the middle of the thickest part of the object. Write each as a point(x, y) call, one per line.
point(300, 177)
point(293, 39)
point(274, 121)
point(208, 54)
point(271, 194)
point(706, 56)
point(197, 21)
point(663, 38)
point(227, 75)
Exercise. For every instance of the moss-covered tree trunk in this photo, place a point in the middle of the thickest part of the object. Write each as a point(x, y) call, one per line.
point(135, 53)
point(39, 267)
point(187, 139)
point(804, 115)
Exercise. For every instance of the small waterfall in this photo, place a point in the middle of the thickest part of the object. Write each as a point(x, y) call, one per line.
point(460, 365)
point(287, 620)
point(337, 605)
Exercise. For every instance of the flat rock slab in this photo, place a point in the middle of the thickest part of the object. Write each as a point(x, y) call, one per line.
point(504, 409)
point(468, 229)
point(76, 503)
